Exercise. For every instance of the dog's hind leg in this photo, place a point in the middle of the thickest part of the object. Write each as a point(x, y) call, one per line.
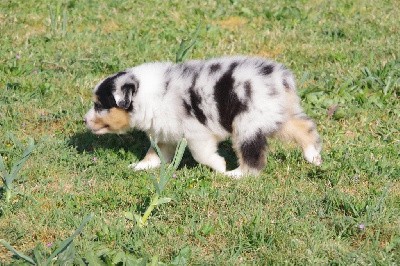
point(250, 151)
point(204, 151)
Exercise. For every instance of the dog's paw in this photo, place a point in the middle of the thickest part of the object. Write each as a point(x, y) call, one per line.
point(312, 156)
point(235, 174)
point(317, 160)
point(145, 165)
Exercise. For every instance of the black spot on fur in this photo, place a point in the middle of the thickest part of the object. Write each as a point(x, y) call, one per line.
point(168, 71)
point(286, 85)
point(187, 70)
point(195, 101)
point(253, 151)
point(188, 108)
point(105, 90)
point(266, 69)
point(167, 76)
point(272, 92)
point(214, 68)
point(167, 84)
point(248, 89)
point(228, 104)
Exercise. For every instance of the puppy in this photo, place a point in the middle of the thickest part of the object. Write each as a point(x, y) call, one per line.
point(206, 102)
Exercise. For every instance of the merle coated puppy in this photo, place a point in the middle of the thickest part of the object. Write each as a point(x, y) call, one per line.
point(206, 102)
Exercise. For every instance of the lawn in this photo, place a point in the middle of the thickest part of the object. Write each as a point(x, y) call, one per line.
point(346, 57)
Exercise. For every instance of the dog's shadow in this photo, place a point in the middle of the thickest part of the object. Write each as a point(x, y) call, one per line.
point(135, 142)
point(138, 143)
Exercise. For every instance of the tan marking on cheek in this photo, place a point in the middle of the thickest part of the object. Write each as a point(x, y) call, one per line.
point(95, 98)
point(117, 119)
point(97, 122)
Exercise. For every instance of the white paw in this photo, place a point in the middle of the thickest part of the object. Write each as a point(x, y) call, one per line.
point(317, 160)
point(312, 156)
point(144, 165)
point(235, 174)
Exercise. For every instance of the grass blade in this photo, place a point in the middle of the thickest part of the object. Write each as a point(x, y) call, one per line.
point(129, 215)
point(163, 169)
point(17, 253)
point(18, 166)
point(64, 245)
point(184, 47)
point(38, 255)
point(160, 155)
point(3, 170)
point(156, 184)
point(141, 221)
point(14, 140)
point(64, 21)
point(162, 201)
point(180, 150)
point(155, 146)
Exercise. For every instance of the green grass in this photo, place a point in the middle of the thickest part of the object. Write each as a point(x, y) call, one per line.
point(344, 54)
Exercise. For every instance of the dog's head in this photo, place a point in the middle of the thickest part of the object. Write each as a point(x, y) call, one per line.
point(112, 104)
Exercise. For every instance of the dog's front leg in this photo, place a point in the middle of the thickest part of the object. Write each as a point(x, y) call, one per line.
point(152, 160)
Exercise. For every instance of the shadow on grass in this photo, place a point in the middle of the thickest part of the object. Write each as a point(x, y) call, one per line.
point(135, 142)
point(138, 143)
point(225, 150)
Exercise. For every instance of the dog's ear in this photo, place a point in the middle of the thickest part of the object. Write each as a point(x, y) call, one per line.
point(128, 89)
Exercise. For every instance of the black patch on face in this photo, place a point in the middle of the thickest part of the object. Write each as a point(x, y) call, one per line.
point(104, 92)
point(248, 89)
point(128, 87)
point(214, 68)
point(130, 108)
point(253, 151)
point(266, 69)
point(97, 107)
point(195, 101)
point(228, 104)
